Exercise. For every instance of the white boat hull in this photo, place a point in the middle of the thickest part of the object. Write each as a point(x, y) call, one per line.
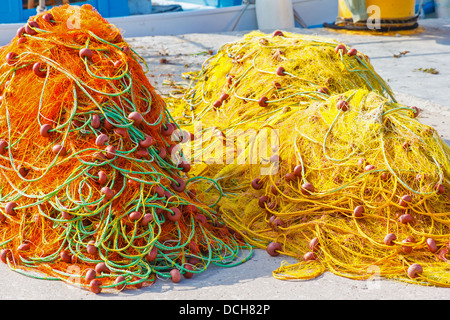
point(215, 20)
point(183, 22)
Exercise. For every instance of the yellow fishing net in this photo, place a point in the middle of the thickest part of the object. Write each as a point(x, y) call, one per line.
point(318, 161)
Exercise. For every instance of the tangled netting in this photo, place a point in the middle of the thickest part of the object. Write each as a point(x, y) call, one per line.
point(356, 184)
point(91, 192)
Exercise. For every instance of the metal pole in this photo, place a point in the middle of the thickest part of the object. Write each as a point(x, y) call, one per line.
point(41, 7)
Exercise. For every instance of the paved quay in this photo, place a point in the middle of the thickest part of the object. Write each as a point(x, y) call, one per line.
point(168, 57)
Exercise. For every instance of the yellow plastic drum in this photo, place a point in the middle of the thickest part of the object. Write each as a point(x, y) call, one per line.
point(383, 16)
point(388, 9)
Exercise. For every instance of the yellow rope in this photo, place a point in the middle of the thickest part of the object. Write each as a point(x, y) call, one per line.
point(343, 137)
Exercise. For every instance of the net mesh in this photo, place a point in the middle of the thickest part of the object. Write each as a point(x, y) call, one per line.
point(317, 159)
point(89, 191)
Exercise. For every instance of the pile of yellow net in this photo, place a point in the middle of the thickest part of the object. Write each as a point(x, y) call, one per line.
point(318, 161)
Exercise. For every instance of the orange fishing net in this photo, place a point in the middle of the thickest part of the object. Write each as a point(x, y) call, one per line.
point(354, 184)
point(93, 191)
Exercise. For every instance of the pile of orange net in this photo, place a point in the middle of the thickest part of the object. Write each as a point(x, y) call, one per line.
point(92, 189)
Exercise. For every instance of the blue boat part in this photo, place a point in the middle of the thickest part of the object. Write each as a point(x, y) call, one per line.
point(13, 11)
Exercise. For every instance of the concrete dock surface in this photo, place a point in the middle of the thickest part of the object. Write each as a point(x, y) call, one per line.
point(168, 57)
